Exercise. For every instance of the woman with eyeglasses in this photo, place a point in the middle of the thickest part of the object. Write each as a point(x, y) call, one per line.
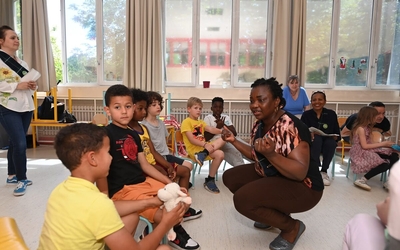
point(326, 121)
point(296, 97)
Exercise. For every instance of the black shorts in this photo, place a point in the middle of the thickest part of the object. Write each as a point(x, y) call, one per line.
point(174, 159)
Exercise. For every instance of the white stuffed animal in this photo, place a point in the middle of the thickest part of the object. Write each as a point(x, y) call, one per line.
point(171, 195)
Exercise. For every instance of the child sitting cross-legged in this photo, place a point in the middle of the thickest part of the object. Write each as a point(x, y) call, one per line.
point(193, 129)
point(154, 157)
point(78, 215)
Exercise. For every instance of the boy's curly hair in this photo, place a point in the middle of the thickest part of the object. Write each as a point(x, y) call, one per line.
point(154, 96)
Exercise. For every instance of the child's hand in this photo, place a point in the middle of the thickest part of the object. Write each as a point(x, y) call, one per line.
point(388, 144)
point(220, 122)
point(171, 172)
point(227, 135)
point(175, 216)
point(209, 147)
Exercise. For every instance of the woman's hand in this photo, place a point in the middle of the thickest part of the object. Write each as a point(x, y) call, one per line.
point(27, 85)
point(264, 146)
point(227, 135)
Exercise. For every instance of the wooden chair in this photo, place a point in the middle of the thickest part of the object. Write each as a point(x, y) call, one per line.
point(10, 236)
point(342, 143)
point(36, 122)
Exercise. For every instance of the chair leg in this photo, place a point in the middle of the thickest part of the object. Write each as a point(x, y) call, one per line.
point(348, 168)
point(333, 166)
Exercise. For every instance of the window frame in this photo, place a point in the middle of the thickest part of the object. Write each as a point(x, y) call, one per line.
point(100, 78)
point(232, 47)
point(374, 27)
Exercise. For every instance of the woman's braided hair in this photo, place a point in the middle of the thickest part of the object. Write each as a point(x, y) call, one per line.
point(274, 86)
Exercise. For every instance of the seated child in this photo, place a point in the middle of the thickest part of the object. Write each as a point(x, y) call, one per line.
point(193, 129)
point(130, 176)
point(158, 130)
point(78, 216)
point(365, 154)
point(218, 120)
point(152, 156)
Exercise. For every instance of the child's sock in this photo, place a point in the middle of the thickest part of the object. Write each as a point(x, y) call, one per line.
point(209, 178)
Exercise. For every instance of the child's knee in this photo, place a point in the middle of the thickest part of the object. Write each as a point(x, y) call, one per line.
point(188, 164)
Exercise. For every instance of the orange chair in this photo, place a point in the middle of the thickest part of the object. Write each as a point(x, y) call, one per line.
point(343, 144)
point(10, 236)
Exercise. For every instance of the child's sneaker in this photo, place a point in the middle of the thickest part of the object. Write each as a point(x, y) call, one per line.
point(362, 183)
point(325, 179)
point(192, 214)
point(13, 180)
point(200, 157)
point(210, 185)
point(183, 240)
point(144, 233)
point(21, 188)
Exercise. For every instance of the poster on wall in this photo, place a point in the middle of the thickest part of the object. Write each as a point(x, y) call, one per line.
point(342, 63)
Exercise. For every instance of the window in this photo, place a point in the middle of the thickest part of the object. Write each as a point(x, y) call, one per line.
point(353, 43)
point(93, 40)
point(228, 46)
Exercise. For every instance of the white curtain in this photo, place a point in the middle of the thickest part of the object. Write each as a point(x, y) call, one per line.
point(7, 13)
point(36, 42)
point(289, 38)
point(143, 47)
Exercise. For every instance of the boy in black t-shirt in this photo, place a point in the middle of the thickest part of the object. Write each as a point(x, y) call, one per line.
point(127, 176)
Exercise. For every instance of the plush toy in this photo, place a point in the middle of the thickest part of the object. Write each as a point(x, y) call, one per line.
point(171, 195)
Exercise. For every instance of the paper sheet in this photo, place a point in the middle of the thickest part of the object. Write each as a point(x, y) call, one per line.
point(32, 75)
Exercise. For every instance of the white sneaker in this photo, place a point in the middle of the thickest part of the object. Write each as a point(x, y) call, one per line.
point(362, 183)
point(325, 179)
point(386, 185)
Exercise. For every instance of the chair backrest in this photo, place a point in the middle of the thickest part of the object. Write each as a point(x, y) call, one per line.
point(179, 145)
point(10, 236)
point(341, 120)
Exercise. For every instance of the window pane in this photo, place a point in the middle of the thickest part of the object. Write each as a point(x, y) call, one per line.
point(114, 39)
point(215, 37)
point(318, 41)
point(53, 10)
point(252, 40)
point(81, 40)
point(353, 43)
point(388, 61)
point(178, 32)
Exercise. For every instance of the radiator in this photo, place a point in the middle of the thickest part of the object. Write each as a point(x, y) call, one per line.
point(242, 119)
point(82, 113)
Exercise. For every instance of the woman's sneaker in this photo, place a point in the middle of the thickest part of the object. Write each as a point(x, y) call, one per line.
point(210, 186)
point(192, 214)
point(183, 240)
point(362, 183)
point(21, 187)
point(13, 180)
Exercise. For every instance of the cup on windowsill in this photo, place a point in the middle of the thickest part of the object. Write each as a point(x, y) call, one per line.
point(206, 84)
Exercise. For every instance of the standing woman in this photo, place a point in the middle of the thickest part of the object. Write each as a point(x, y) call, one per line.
point(282, 180)
point(325, 120)
point(296, 97)
point(16, 107)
